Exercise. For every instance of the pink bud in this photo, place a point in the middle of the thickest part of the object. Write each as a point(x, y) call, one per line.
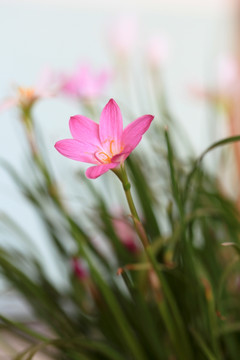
point(228, 74)
point(80, 268)
point(126, 234)
point(158, 50)
point(123, 35)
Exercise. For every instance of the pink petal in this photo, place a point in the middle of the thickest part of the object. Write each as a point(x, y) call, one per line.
point(95, 171)
point(119, 158)
point(84, 129)
point(111, 126)
point(8, 103)
point(80, 269)
point(132, 134)
point(45, 82)
point(77, 150)
point(228, 72)
point(123, 35)
point(158, 50)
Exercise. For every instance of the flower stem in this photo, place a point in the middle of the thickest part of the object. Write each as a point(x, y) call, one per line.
point(27, 120)
point(122, 175)
point(167, 305)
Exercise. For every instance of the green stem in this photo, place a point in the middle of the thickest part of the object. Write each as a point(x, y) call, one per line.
point(178, 335)
point(37, 157)
point(122, 175)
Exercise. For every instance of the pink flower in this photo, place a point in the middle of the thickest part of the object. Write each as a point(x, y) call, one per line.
point(123, 35)
point(228, 75)
point(126, 234)
point(158, 50)
point(25, 97)
point(85, 84)
point(228, 82)
point(79, 268)
point(105, 145)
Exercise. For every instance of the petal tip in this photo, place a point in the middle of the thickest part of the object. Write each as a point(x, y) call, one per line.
point(90, 173)
point(56, 145)
point(112, 102)
point(71, 119)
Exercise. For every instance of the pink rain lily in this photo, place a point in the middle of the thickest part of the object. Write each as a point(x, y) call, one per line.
point(157, 50)
point(80, 268)
point(123, 35)
point(25, 97)
point(126, 234)
point(226, 96)
point(228, 83)
point(228, 76)
point(84, 84)
point(105, 145)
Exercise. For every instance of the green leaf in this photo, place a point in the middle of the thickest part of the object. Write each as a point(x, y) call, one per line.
point(141, 185)
point(197, 163)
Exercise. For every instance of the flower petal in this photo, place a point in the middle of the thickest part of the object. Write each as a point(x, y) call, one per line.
point(84, 129)
point(111, 126)
point(77, 150)
point(95, 171)
point(8, 103)
point(132, 134)
point(121, 157)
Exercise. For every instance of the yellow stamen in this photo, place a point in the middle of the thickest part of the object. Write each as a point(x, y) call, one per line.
point(111, 144)
point(107, 158)
point(102, 157)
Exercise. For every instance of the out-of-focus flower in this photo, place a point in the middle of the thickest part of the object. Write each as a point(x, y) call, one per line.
point(123, 35)
point(228, 83)
point(105, 145)
point(80, 269)
point(84, 84)
point(157, 50)
point(126, 234)
point(228, 76)
point(226, 96)
point(25, 97)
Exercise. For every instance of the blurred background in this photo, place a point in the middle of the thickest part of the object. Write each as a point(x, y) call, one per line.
point(59, 35)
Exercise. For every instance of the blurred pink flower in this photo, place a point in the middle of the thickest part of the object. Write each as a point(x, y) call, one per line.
point(126, 234)
point(200, 91)
point(25, 97)
point(105, 145)
point(226, 95)
point(84, 84)
point(228, 75)
point(80, 268)
point(228, 82)
point(157, 50)
point(123, 35)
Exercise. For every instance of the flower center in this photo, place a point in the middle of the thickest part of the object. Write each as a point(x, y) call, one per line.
point(102, 157)
point(110, 149)
point(26, 96)
point(26, 93)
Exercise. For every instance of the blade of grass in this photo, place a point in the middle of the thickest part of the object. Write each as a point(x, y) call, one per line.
point(203, 346)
